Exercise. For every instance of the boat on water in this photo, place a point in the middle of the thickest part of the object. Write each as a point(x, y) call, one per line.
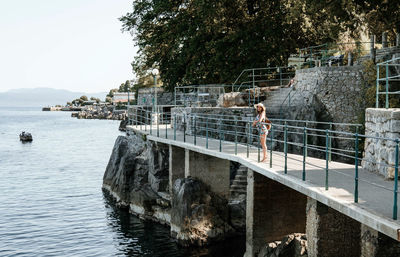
point(25, 137)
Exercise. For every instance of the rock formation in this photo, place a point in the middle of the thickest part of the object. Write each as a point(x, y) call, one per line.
point(293, 245)
point(137, 177)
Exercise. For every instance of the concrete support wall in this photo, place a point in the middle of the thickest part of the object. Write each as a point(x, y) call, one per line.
point(375, 244)
point(176, 165)
point(214, 172)
point(273, 211)
point(330, 233)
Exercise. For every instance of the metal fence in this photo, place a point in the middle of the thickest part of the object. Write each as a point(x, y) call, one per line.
point(390, 82)
point(306, 137)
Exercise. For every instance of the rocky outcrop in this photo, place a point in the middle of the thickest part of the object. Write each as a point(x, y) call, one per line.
point(294, 245)
point(101, 113)
point(198, 216)
point(137, 176)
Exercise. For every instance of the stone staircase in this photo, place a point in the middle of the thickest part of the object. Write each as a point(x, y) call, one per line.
point(239, 184)
point(274, 101)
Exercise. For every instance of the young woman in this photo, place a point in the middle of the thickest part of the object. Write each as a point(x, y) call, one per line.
point(263, 125)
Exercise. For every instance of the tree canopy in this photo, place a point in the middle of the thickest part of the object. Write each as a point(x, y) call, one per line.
point(204, 41)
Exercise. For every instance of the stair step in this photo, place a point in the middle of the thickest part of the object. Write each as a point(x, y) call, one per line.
point(239, 183)
point(238, 187)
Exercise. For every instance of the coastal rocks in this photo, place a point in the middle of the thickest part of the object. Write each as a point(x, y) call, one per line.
point(198, 216)
point(137, 176)
point(293, 245)
point(101, 113)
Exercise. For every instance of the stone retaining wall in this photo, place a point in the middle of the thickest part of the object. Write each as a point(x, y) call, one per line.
point(380, 155)
point(146, 95)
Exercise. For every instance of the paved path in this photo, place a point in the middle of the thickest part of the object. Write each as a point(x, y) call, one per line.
point(375, 203)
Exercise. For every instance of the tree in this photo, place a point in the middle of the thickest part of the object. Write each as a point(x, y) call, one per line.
point(84, 98)
point(201, 42)
point(112, 91)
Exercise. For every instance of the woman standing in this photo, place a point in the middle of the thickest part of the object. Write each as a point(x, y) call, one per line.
point(264, 125)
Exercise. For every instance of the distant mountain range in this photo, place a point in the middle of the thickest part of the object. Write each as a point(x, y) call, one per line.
point(34, 97)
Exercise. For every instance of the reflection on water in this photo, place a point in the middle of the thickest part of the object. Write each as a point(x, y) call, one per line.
point(136, 237)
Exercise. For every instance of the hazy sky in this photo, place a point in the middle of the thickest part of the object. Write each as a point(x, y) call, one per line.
point(66, 44)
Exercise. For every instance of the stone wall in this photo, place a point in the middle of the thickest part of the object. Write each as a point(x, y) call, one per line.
point(146, 95)
point(379, 155)
point(216, 116)
point(334, 92)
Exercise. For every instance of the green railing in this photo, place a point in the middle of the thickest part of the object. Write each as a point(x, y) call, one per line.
point(333, 53)
point(207, 95)
point(298, 137)
point(264, 77)
point(390, 80)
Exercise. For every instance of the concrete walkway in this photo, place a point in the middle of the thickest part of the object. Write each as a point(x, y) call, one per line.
point(375, 203)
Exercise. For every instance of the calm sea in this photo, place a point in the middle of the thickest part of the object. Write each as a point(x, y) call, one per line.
point(51, 202)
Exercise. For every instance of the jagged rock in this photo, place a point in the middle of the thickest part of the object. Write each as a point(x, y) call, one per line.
point(134, 179)
point(293, 245)
point(198, 216)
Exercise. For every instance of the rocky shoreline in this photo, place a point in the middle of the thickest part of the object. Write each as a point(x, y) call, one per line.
point(137, 178)
point(104, 113)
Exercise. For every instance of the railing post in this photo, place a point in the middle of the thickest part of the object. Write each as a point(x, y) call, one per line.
point(207, 132)
point(175, 126)
point(166, 125)
point(304, 152)
point(285, 146)
point(184, 128)
point(387, 86)
point(280, 76)
point(220, 136)
point(270, 150)
point(396, 179)
point(248, 138)
point(235, 135)
point(158, 126)
point(330, 141)
point(377, 87)
point(151, 123)
point(195, 119)
point(356, 170)
point(327, 159)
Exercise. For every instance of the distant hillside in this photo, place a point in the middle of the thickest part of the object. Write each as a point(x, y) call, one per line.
point(34, 97)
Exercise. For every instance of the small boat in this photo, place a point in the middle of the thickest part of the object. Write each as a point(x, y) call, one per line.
point(25, 137)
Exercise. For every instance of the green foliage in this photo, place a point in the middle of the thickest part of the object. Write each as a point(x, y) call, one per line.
point(201, 42)
point(111, 93)
point(84, 98)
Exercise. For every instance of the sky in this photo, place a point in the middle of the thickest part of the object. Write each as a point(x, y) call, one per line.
point(65, 44)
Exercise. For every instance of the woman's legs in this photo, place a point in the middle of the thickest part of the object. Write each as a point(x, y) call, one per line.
point(264, 146)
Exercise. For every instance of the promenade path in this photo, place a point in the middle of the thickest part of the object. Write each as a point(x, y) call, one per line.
point(375, 203)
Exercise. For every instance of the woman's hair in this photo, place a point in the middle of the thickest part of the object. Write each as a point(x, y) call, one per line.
point(262, 114)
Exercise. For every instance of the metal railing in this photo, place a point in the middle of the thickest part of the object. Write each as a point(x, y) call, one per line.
point(264, 77)
point(333, 53)
point(300, 137)
point(391, 79)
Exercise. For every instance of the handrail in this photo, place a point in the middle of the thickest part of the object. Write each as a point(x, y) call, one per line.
point(238, 130)
point(387, 79)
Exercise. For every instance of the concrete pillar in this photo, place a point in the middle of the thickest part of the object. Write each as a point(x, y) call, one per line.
point(375, 244)
point(212, 171)
point(384, 40)
point(273, 211)
point(330, 233)
point(176, 164)
point(397, 39)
